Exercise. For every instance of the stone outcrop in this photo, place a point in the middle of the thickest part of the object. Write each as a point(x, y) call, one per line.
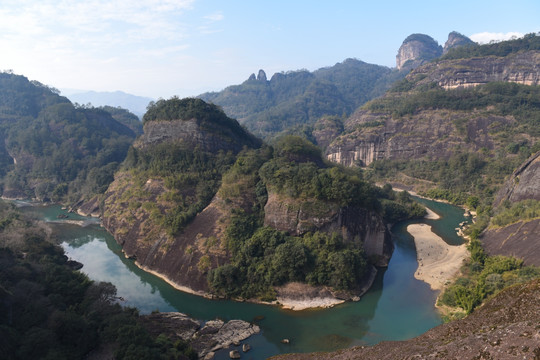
point(371, 136)
point(520, 239)
point(523, 184)
point(506, 327)
point(213, 336)
point(522, 68)
point(416, 50)
point(354, 224)
point(455, 40)
point(261, 76)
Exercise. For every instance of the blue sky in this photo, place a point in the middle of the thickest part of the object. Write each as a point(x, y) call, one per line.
point(160, 48)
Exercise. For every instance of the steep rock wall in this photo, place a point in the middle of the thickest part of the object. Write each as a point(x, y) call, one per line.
point(522, 68)
point(176, 258)
point(354, 224)
point(429, 133)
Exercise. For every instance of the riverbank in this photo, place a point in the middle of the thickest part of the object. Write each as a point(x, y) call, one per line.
point(438, 262)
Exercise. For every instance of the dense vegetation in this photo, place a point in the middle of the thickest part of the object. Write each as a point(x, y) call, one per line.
point(191, 178)
point(125, 117)
point(503, 48)
point(467, 173)
point(52, 150)
point(50, 311)
point(263, 257)
point(483, 276)
point(268, 107)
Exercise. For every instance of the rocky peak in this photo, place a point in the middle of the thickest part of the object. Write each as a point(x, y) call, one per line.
point(456, 39)
point(261, 76)
point(416, 50)
point(252, 77)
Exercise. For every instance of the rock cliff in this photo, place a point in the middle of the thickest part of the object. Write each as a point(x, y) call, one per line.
point(354, 224)
point(520, 239)
point(456, 39)
point(371, 136)
point(416, 50)
point(520, 67)
point(523, 184)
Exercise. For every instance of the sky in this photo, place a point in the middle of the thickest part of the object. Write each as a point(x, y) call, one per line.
point(162, 48)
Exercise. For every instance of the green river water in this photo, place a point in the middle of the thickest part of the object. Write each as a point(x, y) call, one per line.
point(397, 307)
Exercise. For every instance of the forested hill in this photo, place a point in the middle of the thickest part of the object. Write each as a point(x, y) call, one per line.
point(52, 150)
point(267, 107)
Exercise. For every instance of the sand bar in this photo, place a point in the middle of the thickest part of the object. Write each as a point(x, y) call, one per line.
point(438, 262)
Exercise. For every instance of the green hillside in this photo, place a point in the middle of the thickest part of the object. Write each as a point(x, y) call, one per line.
point(267, 107)
point(51, 150)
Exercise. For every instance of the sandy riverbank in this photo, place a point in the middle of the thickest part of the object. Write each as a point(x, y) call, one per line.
point(298, 296)
point(438, 262)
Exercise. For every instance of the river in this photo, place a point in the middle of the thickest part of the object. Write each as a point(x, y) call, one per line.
point(397, 307)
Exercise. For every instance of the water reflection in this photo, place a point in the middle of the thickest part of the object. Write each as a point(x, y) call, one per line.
point(397, 307)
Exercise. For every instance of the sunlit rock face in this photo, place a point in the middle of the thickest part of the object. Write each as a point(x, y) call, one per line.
point(417, 49)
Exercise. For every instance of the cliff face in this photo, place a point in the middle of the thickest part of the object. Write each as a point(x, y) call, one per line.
point(520, 239)
point(354, 224)
point(522, 68)
point(416, 50)
point(456, 39)
point(371, 136)
point(523, 184)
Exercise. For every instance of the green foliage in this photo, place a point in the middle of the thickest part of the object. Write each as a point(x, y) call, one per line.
point(520, 211)
point(503, 48)
point(187, 109)
point(125, 117)
point(400, 206)
point(49, 311)
point(191, 177)
point(485, 276)
point(64, 153)
point(300, 98)
point(269, 258)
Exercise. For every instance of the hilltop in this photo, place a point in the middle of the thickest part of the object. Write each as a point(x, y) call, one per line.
point(228, 218)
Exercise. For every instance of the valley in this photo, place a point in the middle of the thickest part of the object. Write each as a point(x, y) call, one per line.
point(272, 198)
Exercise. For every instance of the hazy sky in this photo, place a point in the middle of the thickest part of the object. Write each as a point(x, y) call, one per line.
point(160, 48)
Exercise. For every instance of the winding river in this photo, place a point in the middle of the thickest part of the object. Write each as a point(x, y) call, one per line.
point(397, 307)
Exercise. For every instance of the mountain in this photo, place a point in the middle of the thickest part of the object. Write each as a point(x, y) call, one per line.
point(296, 98)
point(228, 218)
point(417, 49)
point(455, 40)
point(135, 104)
point(52, 150)
point(461, 123)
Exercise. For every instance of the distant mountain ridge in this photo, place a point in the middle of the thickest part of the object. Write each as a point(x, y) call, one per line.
point(135, 104)
point(296, 98)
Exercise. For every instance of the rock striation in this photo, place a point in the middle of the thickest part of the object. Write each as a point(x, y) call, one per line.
point(521, 67)
point(204, 338)
point(371, 136)
point(417, 49)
